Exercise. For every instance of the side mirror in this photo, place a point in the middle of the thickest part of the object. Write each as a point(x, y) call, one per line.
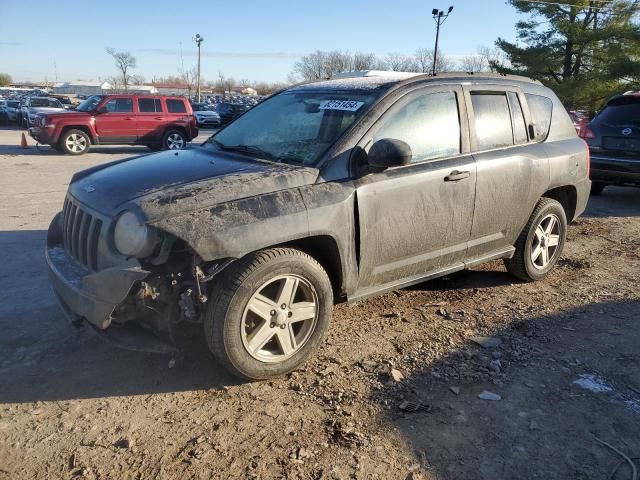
point(389, 152)
point(101, 110)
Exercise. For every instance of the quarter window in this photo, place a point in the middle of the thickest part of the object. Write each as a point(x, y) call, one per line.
point(176, 106)
point(429, 124)
point(118, 105)
point(517, 118)
point(147, 105)
point(492, 119)
point(540, 108)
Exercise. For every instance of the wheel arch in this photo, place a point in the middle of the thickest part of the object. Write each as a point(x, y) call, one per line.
point(567, 196)
point(82, 128)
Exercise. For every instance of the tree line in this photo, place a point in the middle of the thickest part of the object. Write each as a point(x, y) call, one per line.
point(321, 64)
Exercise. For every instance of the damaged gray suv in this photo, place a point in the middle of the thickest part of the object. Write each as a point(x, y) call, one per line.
point(326, 192)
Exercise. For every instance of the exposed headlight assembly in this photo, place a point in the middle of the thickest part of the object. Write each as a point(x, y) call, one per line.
point(132, 237)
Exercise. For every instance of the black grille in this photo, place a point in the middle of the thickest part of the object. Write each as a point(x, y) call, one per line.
point(80, 233)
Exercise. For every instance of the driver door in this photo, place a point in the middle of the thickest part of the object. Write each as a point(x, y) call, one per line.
point(117, 124)
point(415, 220)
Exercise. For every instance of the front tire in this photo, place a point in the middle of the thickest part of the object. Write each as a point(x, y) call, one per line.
point(174, 140)
point(541, 242)
point(269, 312)
point(74, 142)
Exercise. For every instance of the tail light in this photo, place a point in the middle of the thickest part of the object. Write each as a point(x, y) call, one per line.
point(586, 132)
point(586, 145)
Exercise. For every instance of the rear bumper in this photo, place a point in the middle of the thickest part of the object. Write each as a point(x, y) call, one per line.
point(615, 170)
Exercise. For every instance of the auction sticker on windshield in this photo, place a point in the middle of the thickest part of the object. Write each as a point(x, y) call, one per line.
point(346, 105)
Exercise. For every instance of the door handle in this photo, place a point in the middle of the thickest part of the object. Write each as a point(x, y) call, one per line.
point(158, 118)
point(128, 118)
point(456, 176)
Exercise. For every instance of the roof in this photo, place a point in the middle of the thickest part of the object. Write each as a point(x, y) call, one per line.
point(376, 79)
point(79, 83)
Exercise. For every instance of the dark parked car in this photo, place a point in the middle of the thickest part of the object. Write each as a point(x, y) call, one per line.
point(614, 141)
point(229, 111)
point(326, 192)
point(154, 120)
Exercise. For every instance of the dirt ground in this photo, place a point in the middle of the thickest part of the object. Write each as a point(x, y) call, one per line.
point(394, 393)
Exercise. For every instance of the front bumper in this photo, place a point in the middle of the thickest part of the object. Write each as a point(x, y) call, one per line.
point(84, 294)
point(41, 135)
point(615, 170)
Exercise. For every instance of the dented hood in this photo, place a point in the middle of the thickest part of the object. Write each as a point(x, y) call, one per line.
point(172, 182)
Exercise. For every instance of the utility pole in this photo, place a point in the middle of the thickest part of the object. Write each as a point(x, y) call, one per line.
point(439, 16)
point(198, 39)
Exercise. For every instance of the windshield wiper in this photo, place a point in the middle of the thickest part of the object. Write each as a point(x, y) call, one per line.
point(249, 149)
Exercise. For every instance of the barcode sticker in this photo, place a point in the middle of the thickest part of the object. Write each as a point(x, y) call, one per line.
point(346, 105)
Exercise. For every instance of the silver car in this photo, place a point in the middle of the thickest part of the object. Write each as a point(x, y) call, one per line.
point(35, 105)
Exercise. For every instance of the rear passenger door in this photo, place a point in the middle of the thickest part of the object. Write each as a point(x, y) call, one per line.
point(510, 168)
point(150, 120)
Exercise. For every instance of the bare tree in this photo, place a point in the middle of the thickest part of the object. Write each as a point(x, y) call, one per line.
point(124, 62)
point(244, 83)
point(337, 62)
point(312, 66)
point(424, 61)
point(398, 62)
point(365, 61)
point(473, 63)
point(136, 80)
point(189, 79)
point(116, 84)
point(494, 58)
point(226, 84)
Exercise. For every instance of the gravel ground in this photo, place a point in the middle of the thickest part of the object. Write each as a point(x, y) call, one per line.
point(396, 393)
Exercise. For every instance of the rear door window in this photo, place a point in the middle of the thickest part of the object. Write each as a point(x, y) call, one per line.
point(429, 123)
point(540, 109)
point(492, 120)
point(176, 106)
point(149, 105)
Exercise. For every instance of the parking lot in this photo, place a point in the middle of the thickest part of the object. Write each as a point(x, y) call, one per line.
point(393, 393)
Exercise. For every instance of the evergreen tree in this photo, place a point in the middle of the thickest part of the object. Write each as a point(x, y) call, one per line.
point(585, 50)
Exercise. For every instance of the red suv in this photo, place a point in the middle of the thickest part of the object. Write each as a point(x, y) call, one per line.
point(160, 122)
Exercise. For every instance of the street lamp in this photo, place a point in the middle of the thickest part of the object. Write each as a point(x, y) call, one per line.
point(439, 16)
point(198, 39)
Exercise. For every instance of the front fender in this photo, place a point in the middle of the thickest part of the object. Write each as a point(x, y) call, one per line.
point(236, 228)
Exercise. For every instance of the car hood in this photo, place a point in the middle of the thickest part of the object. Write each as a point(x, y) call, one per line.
point(205, 113)
point(63, 113)
point(172, 182)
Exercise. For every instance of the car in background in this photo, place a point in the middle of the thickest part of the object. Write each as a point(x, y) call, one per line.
point(580, 119)
point(229, 111)
point(205, 117)
point(64, 100)
point(157, 121)
point(35, 105)
point(613, 137)
point(10, 109)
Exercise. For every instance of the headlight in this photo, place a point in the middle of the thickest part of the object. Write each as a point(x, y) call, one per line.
point(132, 237)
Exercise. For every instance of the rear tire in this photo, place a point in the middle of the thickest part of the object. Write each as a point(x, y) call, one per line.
point(174, 140)
point(74, 142)
point(257, 346)
point(540, 244)
point(597, 188)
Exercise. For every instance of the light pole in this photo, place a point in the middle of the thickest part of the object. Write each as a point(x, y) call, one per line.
point(198, 39)
point(439, 16)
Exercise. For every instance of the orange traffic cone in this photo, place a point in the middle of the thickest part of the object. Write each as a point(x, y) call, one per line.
point(23, 142)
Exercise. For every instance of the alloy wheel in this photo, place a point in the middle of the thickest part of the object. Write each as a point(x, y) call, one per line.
point(175, 141)
point(76, 143)
point(279, 318)
point(546, 240)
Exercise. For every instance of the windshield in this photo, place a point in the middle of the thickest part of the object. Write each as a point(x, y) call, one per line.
point(294, 127)
point(90, 103)
point(621, 111)
point(45, 102)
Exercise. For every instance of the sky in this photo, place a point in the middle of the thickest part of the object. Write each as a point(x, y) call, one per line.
point(254, 40)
